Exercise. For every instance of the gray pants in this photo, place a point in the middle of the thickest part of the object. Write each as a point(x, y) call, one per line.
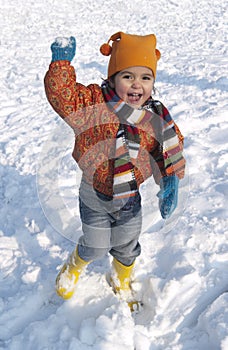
point(107, 227)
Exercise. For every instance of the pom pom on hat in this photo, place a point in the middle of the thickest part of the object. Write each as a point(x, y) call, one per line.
point(158, 54)
point(106, 49)
point(129, 50)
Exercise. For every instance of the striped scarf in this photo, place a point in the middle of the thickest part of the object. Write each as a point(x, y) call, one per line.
point(174, 161)
point(128, 140)
point(127, 146)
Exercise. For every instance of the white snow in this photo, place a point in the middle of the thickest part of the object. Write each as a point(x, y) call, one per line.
point(182, 273)
point(63, 42)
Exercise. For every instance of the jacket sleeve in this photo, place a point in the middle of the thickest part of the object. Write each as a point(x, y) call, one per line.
point(67, 97)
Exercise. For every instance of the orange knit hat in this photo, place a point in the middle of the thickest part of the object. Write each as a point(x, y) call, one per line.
point(129, 50)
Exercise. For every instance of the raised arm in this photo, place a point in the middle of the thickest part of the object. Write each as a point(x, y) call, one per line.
point(65, 95)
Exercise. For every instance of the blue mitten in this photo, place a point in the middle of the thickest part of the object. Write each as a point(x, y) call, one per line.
point(63, 49)
point(168, 195)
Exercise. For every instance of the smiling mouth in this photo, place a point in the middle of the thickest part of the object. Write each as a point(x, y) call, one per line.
point(134, 97)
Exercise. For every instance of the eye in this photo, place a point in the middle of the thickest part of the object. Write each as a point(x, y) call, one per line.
point(147, 77)
point(127, 76)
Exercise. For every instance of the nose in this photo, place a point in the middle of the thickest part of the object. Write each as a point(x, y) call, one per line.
point(136, 84)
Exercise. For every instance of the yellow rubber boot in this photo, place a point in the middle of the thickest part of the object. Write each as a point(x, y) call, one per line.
point(69, 275)
point(121, 277)
point(121, 283)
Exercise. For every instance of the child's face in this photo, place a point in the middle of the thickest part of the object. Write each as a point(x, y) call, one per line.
point(134, 85)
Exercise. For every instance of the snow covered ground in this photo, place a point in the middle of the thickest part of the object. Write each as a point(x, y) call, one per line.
point(182, 272)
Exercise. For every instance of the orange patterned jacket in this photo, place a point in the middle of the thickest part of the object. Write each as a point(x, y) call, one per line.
point(95, 128)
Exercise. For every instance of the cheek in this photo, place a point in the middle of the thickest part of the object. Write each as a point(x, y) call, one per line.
point(121, 91)
point(149, 90)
